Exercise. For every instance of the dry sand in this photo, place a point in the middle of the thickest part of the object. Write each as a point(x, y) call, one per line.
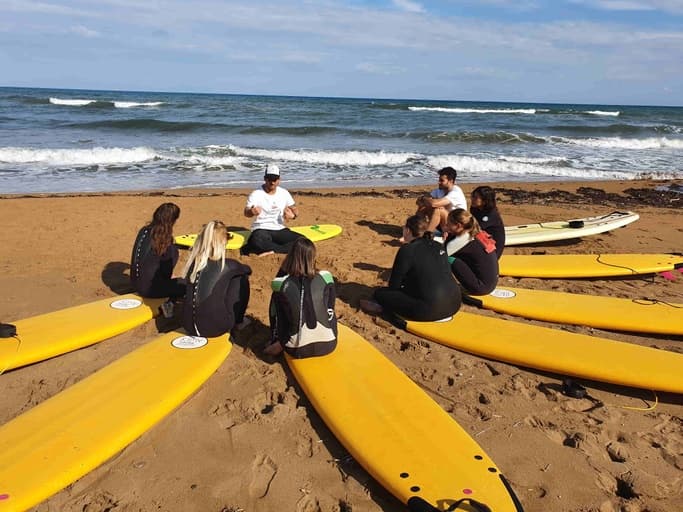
point(249, 439)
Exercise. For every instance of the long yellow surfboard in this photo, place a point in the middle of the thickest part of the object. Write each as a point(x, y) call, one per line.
point(634, 315)
point(63, 438)
point(395, 431)
point(315, 233)
point(566, 229)
point(562, 352)
point(586, 265)
point(43, 336)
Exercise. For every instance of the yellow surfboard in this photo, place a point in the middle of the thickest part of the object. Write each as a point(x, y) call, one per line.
point(634, 315)
point(52, 334)
point(397, 432)
point(63, 438)
point(315, 233)
point(586, 265)
point(567, 229)
point(562, 352)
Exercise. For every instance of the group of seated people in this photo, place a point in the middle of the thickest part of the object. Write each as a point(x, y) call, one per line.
point(215, 290)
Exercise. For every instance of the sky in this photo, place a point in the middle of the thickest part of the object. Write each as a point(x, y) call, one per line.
point(565, 51)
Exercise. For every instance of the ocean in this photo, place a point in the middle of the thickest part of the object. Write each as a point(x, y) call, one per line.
point(96, 141)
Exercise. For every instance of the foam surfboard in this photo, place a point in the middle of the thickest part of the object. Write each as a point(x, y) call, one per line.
point(562, 266)
point(567, 229)
point(633, 315)
point(409, 444)
point(315, 233)
point(565, 353)
point(63, 438)
point(51, 334)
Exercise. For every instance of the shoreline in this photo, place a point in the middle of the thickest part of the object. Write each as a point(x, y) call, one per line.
point(251, 420)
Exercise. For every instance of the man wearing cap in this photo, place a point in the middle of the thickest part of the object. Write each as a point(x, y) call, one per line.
point(270, 205)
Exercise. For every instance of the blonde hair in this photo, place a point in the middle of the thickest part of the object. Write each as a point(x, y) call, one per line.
point(210, 245)
point(469, 223)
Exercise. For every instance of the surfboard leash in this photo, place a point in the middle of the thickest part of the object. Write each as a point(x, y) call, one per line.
point(646, 301)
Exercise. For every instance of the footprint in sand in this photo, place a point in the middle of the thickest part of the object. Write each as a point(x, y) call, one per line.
point(308, 503)
point(263, 470)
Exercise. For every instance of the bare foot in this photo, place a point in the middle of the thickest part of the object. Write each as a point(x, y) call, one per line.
point(370, 306)
point(266, 253)
point(273, 349)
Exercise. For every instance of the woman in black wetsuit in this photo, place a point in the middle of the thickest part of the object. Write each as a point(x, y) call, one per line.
point(421, 286)
point(154, 256)
point(483, 207)
point(217, 287)
point(475, 266)
point(302, 317)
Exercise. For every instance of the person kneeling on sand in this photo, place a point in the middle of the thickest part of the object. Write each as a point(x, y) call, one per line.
point(302, 317)
point(270, 205)
point(217, 291)
point(475, 265)
point(442, 200)
point(421, 286)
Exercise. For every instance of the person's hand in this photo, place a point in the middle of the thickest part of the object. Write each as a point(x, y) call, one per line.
point(289, 213)
point(255, 210)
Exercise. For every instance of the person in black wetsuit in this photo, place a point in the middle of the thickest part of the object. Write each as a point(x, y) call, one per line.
point(302, 317)
point(421, 286)
point(475, 266)
point(154, 256)
point(217, 291)
point(483, 207)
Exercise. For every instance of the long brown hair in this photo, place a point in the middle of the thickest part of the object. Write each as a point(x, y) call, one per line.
point(469, 223)
point(300, 261)
point(161, 227)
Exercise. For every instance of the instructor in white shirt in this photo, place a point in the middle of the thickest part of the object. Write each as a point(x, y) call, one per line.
point(270, 206)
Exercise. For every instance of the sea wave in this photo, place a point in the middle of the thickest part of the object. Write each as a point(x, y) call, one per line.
point(480, 137)
point(320, 157)
point(475, 168)
point(602, 113)
point(619, 143)
point(72, 102)
point(456, 110)
point(65, 157)
point(132, 104)
point(76, 102)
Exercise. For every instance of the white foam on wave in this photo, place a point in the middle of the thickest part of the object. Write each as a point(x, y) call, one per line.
point(475, 110)
point(602, 113)
point(351, 158)
point(71, 102)
point(133, 104)
point(59, 157)
point(619, 143)
point(491, 168)
point(535, 160)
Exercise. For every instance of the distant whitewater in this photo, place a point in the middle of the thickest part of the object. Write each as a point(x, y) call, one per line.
point(71, 141)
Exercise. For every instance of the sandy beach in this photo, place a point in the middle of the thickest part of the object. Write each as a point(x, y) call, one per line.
point(249, 440)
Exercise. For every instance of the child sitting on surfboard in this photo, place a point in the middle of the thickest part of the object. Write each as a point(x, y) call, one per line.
point(475, 265)
point(483, 207)
point(154, 256)
point(217, 291)
point(302, 317)
point(421, 286)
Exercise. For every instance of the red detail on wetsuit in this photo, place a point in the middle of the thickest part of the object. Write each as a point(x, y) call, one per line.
point(486, 240)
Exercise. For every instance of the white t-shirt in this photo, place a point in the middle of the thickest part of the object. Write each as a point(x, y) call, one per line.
point(272, 208)
point(455, 196)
